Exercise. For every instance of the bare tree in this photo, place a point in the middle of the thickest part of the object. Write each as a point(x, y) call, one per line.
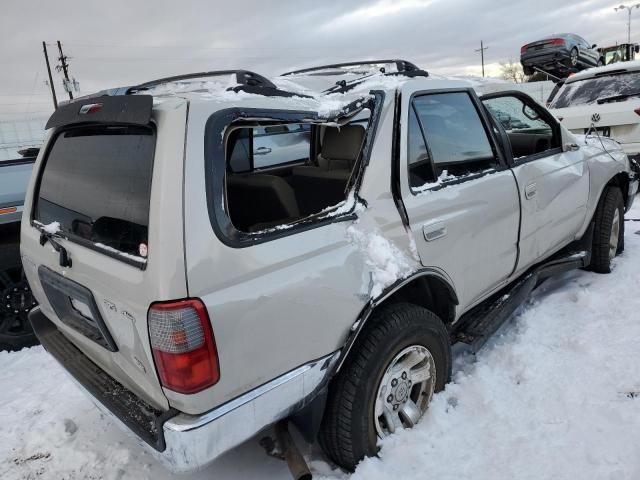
point(512, 71)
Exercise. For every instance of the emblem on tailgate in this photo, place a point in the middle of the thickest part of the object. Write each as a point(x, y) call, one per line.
point(595, 118)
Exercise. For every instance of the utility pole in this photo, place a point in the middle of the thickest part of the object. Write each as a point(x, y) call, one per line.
point(481, 50)
point(64, 66)
point(53, 88)
point(628, 9)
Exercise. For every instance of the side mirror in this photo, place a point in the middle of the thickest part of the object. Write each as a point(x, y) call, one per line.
point(571, 147)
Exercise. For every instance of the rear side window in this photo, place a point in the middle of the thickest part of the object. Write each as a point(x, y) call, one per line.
point(96, 183)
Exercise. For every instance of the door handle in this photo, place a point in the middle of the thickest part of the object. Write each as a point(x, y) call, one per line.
point(434, 231)
point(262, 151)
point(530, 191)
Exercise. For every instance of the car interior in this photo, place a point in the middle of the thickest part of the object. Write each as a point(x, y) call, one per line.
point(528, 132)
point(302, 172)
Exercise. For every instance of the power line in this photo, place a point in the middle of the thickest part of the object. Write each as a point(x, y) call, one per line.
point(481, 50)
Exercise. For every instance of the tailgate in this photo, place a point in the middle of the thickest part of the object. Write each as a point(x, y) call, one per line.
point(104, 190)
point(618, 120)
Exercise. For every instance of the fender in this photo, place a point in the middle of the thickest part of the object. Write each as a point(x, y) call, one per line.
point(368, 309)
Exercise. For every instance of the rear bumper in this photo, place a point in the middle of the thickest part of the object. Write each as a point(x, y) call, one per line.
point(544, 58)
point(186, 443)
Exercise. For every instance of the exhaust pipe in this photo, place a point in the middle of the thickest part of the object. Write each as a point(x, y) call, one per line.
point(290, 453)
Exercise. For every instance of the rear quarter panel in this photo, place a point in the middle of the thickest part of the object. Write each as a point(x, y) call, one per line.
point(279, 304)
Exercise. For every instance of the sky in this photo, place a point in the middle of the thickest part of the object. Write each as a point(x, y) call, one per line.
point(120, 42)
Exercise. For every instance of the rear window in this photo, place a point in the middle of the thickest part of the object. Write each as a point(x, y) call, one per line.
point(590, 90)
point(96, 183)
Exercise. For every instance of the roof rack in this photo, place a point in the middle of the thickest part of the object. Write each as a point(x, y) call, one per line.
point(249, 82)
point(402, 66)
point(243, 77)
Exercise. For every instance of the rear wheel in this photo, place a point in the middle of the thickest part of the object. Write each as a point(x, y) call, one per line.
point(573, 57)
point(16, 300)
point(387, 382)
point(608, 236)
point(528, 71)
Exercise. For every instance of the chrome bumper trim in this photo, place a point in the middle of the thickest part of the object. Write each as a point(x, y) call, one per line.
point(193, 441)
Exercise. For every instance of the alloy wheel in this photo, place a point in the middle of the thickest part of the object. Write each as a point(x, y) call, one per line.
point(405, 390)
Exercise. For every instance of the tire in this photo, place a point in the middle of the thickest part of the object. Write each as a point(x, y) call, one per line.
point(574, 58)
point(528, 71)
point(606, 242)
point(16, 300)
point(348, 432)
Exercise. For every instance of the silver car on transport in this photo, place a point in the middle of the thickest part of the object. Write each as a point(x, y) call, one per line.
point(200, 296)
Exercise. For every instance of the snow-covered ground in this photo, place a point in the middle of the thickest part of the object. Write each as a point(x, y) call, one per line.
point(555, 395)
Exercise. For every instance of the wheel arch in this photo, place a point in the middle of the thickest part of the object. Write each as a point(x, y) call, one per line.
point(427, 288)
point(620, 180)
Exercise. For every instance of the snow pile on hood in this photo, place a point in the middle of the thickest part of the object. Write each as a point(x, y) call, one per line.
point(387, 262)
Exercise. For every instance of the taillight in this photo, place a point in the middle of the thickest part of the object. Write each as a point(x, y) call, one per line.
point(636, 111)
point(556, 41)
point(183, 346)
point(523, 49)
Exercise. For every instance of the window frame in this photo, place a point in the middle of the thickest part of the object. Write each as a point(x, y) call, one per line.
point(501, 163)
point(214, 144)
point(541, 111)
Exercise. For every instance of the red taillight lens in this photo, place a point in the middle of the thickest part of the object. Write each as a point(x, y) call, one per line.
point(636, 111)
point(557, 41)
point(523, 49)
point(183, 346)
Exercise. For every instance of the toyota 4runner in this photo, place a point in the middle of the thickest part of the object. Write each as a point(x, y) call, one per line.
point(214, 253)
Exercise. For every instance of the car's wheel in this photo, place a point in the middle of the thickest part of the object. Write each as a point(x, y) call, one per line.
point(528, 71)
point(573, 57)
point(608, 236)
point(401, 358)
point(16, 300)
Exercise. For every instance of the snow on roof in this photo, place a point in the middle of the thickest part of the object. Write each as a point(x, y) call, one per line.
point(220, 90)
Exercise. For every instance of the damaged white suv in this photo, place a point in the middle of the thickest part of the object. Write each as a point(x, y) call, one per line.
point(203, 282)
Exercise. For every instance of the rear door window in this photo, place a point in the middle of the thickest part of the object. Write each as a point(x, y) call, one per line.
point(96, 182)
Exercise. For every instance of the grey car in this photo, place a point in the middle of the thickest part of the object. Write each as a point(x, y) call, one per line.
point(15, 294)
point(561, 54)
point(199, 303)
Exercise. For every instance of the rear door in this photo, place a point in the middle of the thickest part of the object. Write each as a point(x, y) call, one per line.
point(111, 197)
point(461, 200)
point(553, 184)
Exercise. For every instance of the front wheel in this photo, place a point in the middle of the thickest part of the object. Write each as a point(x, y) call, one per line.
point(608, 236)
point(386, 384)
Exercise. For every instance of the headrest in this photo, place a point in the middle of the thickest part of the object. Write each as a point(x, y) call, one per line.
point(343, 143)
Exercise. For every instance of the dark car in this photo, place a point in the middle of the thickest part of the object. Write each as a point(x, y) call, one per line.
point(560, 54)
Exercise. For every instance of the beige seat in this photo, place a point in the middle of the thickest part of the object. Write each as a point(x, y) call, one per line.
point(323, 185)
point(340, 150)
point(260, 201)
